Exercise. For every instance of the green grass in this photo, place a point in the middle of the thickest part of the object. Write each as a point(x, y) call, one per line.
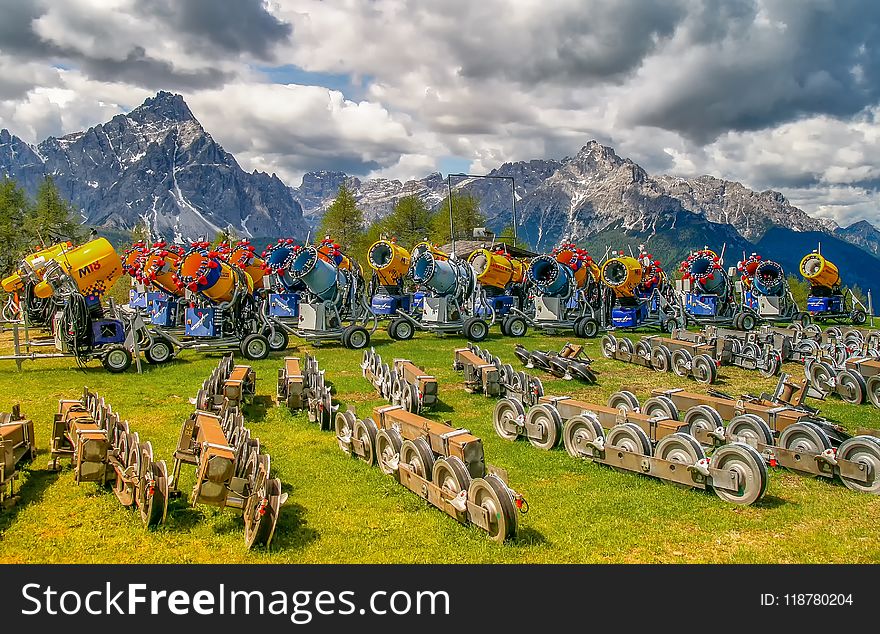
point(341, 510)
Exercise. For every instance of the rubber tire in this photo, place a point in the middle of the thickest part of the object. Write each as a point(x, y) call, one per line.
point(475, 329)
point(283, 337)
point(116, 350)
point(150, 356)
point(398, 334)
point(246, 344)
point(747, 322)
point(353, 335)
point(516, 327)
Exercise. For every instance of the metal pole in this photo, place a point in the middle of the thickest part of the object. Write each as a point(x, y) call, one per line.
point(512, 185)
point(451, 223)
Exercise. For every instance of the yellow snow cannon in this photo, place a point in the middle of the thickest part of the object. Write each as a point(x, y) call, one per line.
point(622, 274)
point(496, 269)
point(389, 260)
point(32, 266)
point(94, 267)
point(819, 271)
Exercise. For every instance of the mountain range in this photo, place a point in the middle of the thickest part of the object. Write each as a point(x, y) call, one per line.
point(158, 164)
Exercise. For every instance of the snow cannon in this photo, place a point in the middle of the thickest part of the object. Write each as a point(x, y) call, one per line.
point(134, 257)
point(390, 261)
point(244, 257)
point(641, 295)
point(92, 267)
point(551, 277)
point(321, 276)
point(579, 261)
point(277, 260)
point(768, 279)
point(820, 272)
point(703, 269)
point(331, 252)
point(160, 268)
point(427, 247)
point(827, 300)
point(746, 269)
point(444, 278)
point(622, 274)
point(203, 270)
point(31, 266)
point(496, 269)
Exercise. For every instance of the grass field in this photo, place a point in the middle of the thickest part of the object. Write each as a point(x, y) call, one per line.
point(341, 510)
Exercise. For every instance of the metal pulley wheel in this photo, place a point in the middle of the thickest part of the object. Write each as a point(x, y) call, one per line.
point(806, 440)
point(492, 494)
point(625, 399)
point(864, 450)
point(747, 465)
point(507, 410)
point(388, 445)
point(579, 432)
point(547, 419)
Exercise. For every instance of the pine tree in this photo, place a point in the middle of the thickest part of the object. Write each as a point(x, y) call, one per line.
point(409, 222)
point(344, 222)
point(14, 207)
point(141, 232)
point(228, 235)
point(52, 219)
point(466, 216)
point(506, 236)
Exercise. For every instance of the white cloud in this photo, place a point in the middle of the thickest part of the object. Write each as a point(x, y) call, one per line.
point(771, 94)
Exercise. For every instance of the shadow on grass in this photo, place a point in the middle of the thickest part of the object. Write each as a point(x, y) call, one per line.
point(441, 406)
point(292, 531)
point(256, 410)
point(772, 502)
point(182, 514)
point(38, 480)
point(528, 536)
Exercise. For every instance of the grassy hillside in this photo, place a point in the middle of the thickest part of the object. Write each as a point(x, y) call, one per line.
point(341, 510)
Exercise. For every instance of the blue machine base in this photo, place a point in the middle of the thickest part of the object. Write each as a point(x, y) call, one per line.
point(818, 305)
point(629, 316)
point(163, 309)
point(389, 304)
point(284, 305)
point(501, 304)
point(200, 322)
point(701, 305)
point(137, 300)
point(106, 331)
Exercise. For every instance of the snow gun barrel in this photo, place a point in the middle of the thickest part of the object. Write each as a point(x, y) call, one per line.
point(31, 266)
point(819, 271)
point(278, 258)
point(496, 269)
point(321, 276)
point(703, 268)
point(159, 268)
point(622, 274)
point(243, 255)
point(444, 277)
point(93, 267)
point(203, 270)
point(769, 278)
point(389, 260)
point(550, 277)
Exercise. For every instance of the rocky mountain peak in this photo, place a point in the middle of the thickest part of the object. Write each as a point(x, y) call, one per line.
point(164, 107)
point(157, 165)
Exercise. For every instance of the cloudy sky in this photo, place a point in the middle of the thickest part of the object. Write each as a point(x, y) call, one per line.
point(780, 94)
